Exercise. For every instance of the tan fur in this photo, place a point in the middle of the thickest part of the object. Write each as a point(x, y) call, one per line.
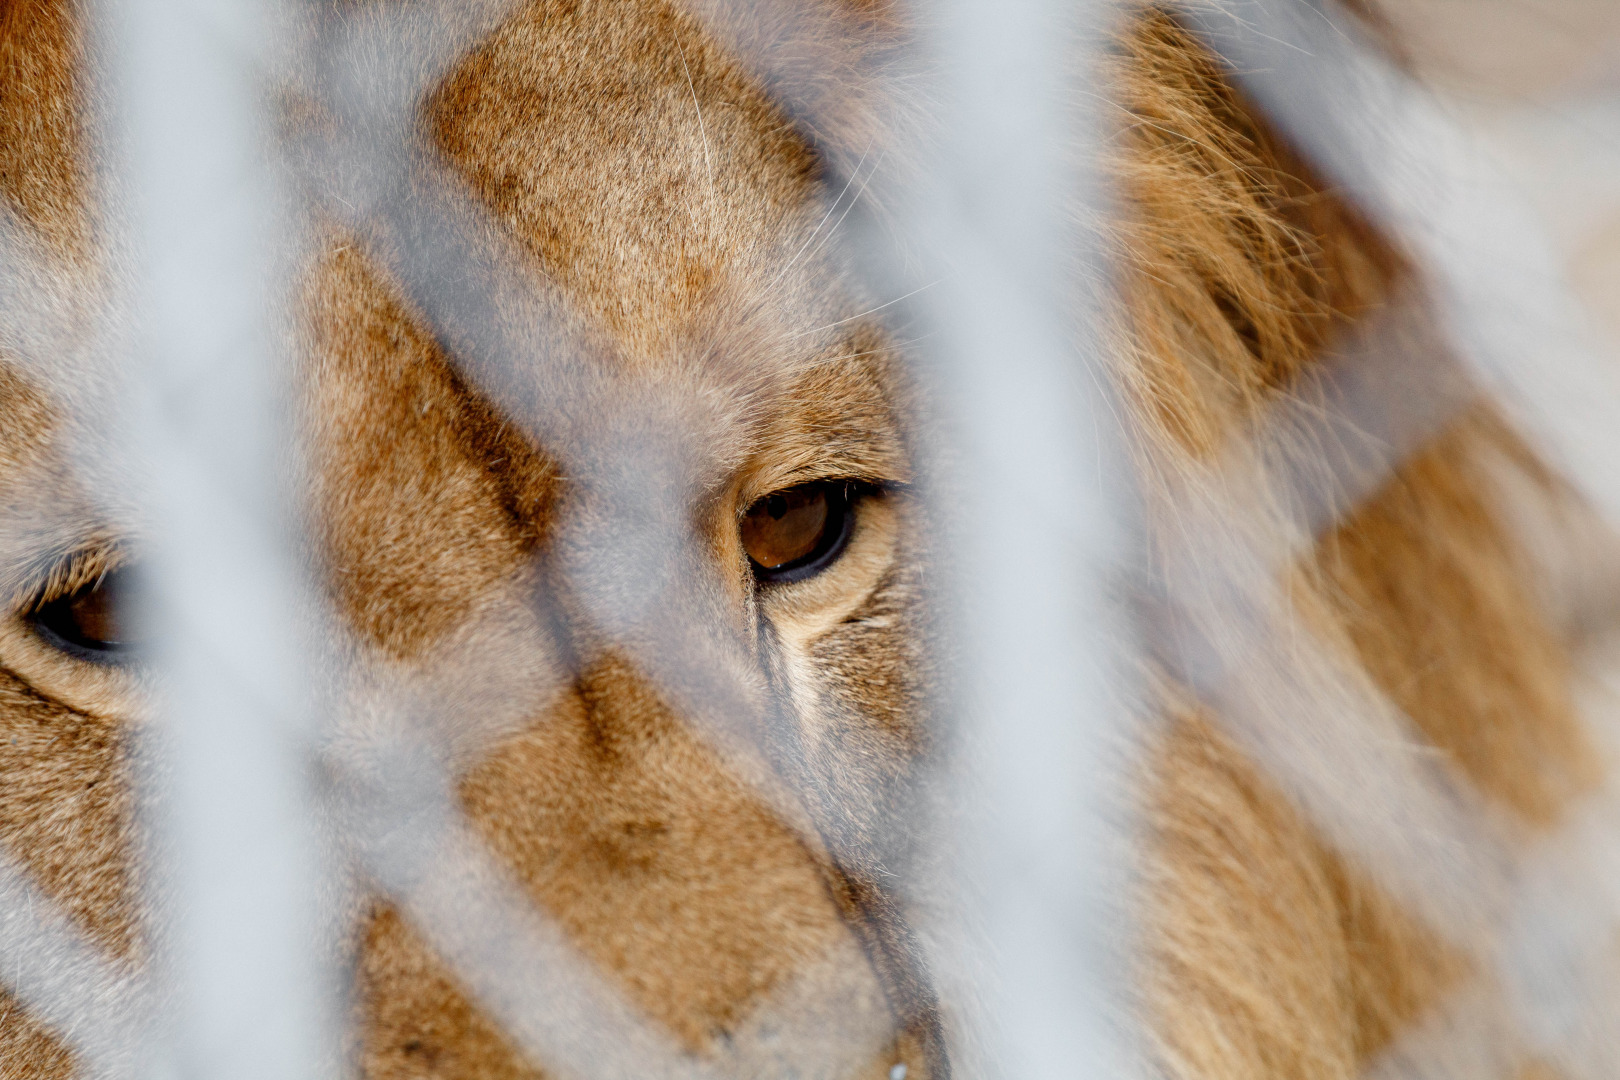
point(620, 823)
point(41, 132)
point(1275, 958)
point(1278, 959)
point(1432, 590)
point(654, 184)
point(65, 810)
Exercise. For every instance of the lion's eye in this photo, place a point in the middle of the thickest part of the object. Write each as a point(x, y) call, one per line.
point(797, 532)
point(92, 622)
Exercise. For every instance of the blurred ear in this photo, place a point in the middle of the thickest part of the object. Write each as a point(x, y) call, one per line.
point(41, 122)
point(1507, 49)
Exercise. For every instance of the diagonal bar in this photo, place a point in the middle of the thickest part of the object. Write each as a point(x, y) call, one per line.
point(1498, 292)
point(102, 1010)
point(1502, 308)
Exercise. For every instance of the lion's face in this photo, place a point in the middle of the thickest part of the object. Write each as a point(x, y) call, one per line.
point(723, 551)
point(618, 628)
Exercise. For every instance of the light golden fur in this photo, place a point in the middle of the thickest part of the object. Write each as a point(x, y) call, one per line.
point(651, 179)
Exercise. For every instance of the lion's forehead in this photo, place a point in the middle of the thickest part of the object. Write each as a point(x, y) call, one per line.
point(646, 170)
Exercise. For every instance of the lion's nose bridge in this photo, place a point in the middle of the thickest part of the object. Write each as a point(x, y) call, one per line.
point(643, 573)
point(660, 648)
point(666, 870)
point(622, 709)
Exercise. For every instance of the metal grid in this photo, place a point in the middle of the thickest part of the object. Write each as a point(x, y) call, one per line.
point(1034, 959)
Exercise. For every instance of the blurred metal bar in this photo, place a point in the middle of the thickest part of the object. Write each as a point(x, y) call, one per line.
point(1037, 491)
point(100, 1009)
point(1499, 293)
point(236, 837)
point(1222, 620)
point(1502, 305)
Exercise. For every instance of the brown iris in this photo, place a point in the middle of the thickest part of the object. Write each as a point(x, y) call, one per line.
point(797, 532)
point(93, 619)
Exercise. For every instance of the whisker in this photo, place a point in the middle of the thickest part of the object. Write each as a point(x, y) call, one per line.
point(703, 130)
point(864, 314)
point(876, 165)
point(791, 263)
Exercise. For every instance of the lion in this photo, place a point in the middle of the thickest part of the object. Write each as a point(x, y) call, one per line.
point(651, 185)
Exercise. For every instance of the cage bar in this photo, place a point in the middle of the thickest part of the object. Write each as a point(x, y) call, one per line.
point(1038, 492)
point(210, 408)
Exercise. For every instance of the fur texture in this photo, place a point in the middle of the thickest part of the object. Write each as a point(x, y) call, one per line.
point(653, 184)
point(1277, 958)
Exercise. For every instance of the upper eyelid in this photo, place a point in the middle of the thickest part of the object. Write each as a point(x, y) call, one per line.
point(66, 575)
point(867, 484)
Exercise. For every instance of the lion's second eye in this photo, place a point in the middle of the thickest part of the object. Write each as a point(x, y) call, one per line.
point(92, 622)
point(797, 532)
